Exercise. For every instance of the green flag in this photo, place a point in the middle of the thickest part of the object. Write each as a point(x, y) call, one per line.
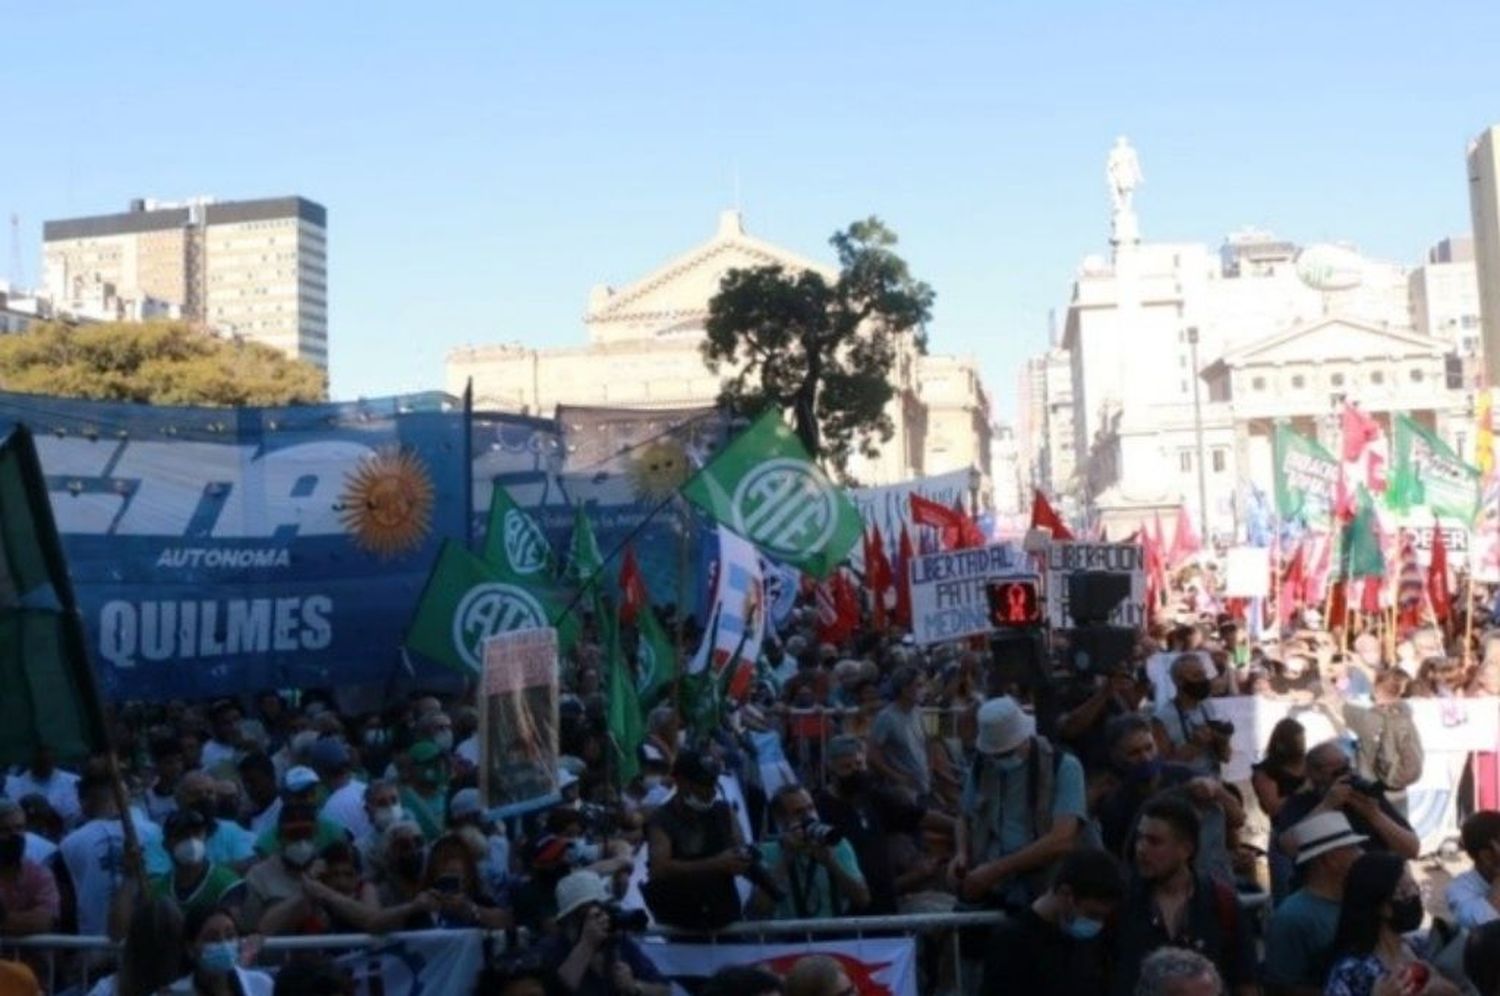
point(1359, 553)
point(467, 601)
point(627, 726)
point(1306, 477)
point(584, 559)
point(655, 658)
point(1427, 472)
point(513, 544)
point(764, 487)
point(47, 691)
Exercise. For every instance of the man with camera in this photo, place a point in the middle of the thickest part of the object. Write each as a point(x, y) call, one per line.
point(593, 951)
point(1332, 787)
point(695, 850)
point(1187, 731)
point(815, 872)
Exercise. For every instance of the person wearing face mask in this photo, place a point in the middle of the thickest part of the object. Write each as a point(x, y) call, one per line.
point(486, 842)
point(278, 878)
point(29, 900)
point(870, 815)
point(424, 787)
point(1022, 809)
point(228, 843)
point(344, 805)
point(1186, 729)
point(301, 787)
point(382, 805)
point(399, 864)
point(1138, 774)
point(213, 948)
point(195, 883)
point(1382, 903)
point(1299, 936)
point(695, 850)
point(1058, 946)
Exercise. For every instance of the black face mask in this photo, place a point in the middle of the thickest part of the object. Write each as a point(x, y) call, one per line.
point(1197, 689)
point(409, 865)
point(855, 783)
point(11, 849)
point(1406, 914)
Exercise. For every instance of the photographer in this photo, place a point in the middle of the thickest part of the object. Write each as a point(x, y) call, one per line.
point(1187, 732)
point(1332, 787)
point(813, 864)
point(695, 850)
point(593, 955)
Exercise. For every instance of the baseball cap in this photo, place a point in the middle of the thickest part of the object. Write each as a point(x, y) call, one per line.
point(300, 779)
point(1003, 726)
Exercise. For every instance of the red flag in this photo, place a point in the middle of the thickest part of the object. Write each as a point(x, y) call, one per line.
point(903, 580)
point(878, 577)
point(1361, 459)
point(1369, 601)
point(633, 595)
point(1184, 541)
point(847, 600)
point(1044, 516)
point(1338, 605)
point(950, 524)
point(1411, 590)
point(1293, 586)
point(1437, 578)
point(969, 533)
point(1156, 565)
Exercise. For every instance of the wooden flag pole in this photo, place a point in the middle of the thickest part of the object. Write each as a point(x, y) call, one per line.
point(1468, 622)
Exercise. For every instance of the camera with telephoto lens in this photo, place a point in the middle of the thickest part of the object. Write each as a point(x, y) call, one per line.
point(1221, 727)
point(759, 875)
point(821, 834)
point(1372, 787)
point(627, 921)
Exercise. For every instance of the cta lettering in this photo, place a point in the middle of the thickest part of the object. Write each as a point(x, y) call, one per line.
point(130, 632)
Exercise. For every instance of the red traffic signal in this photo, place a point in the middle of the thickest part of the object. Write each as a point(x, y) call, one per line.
point(1015, 603)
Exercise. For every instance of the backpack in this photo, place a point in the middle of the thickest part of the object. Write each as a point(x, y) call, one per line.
point(1398, 755)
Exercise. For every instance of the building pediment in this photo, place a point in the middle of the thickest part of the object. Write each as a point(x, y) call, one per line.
point(668, 299)
point(1334, 339)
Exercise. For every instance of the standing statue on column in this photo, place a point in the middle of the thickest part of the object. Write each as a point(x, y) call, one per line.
point(1124, 174)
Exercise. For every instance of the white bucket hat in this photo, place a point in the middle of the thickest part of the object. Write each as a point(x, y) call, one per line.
point(1003, 726)
point(578, 889)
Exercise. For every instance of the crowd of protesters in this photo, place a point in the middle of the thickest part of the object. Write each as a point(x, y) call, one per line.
point(869, 778)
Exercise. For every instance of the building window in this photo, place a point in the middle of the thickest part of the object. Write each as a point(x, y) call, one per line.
point(1257, 383)
point(1220, 458)
point(1298, 382)
point(1185, 461)
point(1377, 377)
point(1336, 380)
point(1416, 376)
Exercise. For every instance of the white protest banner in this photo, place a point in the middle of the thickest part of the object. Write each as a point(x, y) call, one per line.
point(883, 966)
point(1247, 572)
point(1455, 542)
point(518, 719)
point(949, 599)
point(1075, 557)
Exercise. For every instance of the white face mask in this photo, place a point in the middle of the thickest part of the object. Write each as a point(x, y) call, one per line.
point(189, 852)
point(649, 782)
point(300, 854)
point(693, 802)
point(384, 816)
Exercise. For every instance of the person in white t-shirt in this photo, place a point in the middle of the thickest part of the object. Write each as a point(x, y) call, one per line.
point(345, 804)
point(382, 805)
point(46, 779)
point(94, 854)
point(160, 797)
point(222, 751)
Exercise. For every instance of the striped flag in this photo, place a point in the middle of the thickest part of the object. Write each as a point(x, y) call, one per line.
point(1411, 587)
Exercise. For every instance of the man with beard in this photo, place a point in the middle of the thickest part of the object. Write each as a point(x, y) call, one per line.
point(870, 816)
point(1168, 905)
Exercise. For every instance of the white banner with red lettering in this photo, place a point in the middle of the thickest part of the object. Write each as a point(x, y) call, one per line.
point(884, 966)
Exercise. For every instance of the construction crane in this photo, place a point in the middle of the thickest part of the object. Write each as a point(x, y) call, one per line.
point(17, 268)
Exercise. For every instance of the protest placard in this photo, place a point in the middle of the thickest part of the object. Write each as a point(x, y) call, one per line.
point(949, 597)
point(1073, 557)
point(518, 721)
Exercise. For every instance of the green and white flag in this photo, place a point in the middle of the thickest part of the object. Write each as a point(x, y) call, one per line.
point(627, 723)
point(655, 658)
point(514, 544)
point(764, 487)
point(1306, 475)
point(467, 601)
point(585, 562)
point(1427, 472)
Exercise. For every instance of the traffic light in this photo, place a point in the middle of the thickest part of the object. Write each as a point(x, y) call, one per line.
point(1015, 603)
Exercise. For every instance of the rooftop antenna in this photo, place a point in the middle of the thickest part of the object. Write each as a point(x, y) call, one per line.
point(17, 269)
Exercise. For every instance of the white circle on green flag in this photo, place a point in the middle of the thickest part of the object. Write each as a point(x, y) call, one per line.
point(525, 546)
point(645, 662)
point(488, 609)
point(784, 507)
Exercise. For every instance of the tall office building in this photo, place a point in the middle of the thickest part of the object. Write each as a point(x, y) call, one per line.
point(1484, 206)
point(253, 269)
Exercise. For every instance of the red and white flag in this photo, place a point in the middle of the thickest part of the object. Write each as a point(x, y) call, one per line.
point(1362, 459)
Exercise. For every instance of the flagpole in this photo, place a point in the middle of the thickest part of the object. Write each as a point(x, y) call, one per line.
point(1468, 621)
point(680, 636)
point(606, 558)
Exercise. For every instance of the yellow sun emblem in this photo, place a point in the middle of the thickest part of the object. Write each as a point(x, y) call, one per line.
point(387, 503)
point(659, 469)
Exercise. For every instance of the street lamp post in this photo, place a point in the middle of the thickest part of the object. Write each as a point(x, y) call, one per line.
point(1192, 338)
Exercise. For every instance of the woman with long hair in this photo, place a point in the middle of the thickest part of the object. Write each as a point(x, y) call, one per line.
point(151, 958)
point(214, 952)
point(1382, 904)
point(1284, 768)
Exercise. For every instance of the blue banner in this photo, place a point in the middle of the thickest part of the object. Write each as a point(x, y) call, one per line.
point(217, 551)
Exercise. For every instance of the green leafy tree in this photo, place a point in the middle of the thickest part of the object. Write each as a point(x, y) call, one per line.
point(822, 350)
point(158, 362)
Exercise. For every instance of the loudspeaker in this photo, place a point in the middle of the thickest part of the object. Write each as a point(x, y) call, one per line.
point(1093, 595)
point(1098, 649)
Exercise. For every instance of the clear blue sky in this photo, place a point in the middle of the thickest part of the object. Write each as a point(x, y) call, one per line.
point(484, 164)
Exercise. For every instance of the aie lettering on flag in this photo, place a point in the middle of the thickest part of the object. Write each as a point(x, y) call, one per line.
point(513, 543)
point(765, 488)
